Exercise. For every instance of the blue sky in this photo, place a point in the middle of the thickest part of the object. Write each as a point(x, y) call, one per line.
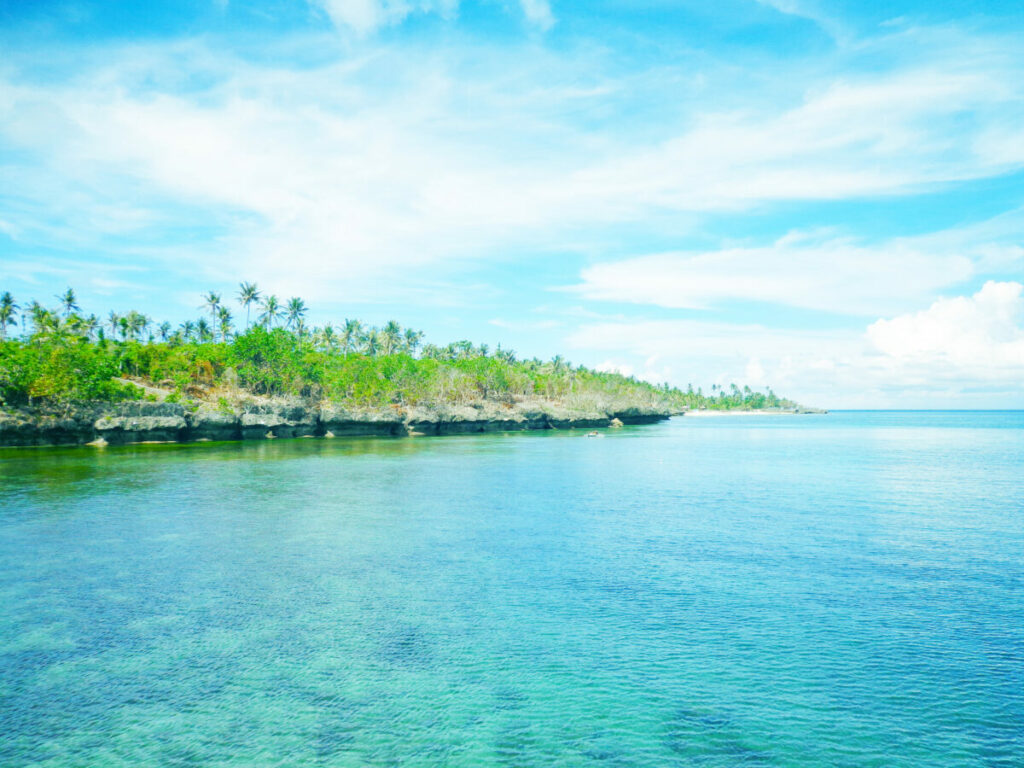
point(824, 197)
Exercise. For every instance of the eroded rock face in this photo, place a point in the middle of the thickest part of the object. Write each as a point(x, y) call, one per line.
point(349, 422)
point(82, 423)
point(139, 422)
point(214, 423)
point(262, 421)
point(21, 428)
point(639, 415)
point(134, 422)
point(139, 429)
point(582, 422)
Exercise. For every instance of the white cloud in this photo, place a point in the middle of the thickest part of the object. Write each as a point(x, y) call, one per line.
point(360, 15)
point(965, 351)
point(521, 325)
point(366, 16)
point(326, 179)
point(704, 353)
point(783, 6)
point(807, 9)
point(835, 144)
point(826, 274)
point(613, 366)
point(650, 370)
point(538, 12)
point(755, 375)
point(980, 336)
point(393, 159)
point(814, 270)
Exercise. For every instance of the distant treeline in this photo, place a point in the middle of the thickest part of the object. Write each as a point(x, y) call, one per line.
point(60, 354)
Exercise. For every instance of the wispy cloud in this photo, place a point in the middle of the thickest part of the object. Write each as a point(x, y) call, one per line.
point(812, 270)
point(973, 342)
point(364, 17)
point(808, 9)
point(538, 12)
point(876, 135)
point(334, 171)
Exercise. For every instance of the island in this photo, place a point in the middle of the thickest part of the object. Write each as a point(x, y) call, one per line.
point(69, 378)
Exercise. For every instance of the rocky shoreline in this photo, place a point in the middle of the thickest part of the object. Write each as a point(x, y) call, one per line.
point(152, 422)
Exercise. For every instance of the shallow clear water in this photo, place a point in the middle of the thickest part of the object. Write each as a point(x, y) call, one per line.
point(842, 590)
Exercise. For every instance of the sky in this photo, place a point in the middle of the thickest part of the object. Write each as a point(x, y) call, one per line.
point(822, 197)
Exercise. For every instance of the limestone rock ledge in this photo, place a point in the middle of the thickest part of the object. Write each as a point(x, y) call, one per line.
point(142, 422)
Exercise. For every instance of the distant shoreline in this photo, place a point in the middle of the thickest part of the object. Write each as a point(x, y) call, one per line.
point(708, 412)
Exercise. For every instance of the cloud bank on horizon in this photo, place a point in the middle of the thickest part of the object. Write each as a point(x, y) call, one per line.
point(820, 197)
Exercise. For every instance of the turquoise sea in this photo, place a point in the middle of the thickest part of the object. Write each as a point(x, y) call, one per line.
point(840, 590)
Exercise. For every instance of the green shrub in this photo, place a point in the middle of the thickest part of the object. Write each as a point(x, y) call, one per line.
point(61, 371)
point(269, 362)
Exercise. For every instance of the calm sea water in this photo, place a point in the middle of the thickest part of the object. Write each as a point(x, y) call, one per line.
point(841, 590)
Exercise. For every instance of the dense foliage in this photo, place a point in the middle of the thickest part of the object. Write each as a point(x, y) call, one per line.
point(62, 355)
point(77, 370)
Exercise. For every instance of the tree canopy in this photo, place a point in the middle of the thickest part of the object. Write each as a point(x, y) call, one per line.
point(62, 354)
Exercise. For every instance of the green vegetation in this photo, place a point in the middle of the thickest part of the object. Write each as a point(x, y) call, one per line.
point(63, 355)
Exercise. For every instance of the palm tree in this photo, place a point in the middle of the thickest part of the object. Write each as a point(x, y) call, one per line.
point(412, 340)
point(224, 318)
point(141, 323)
point(164, 331)
point(40, 316)
point(295, 311)
point(74, 325)
point(46, 324)
point(271, 311)
point(350, 335)
point(391, 337)
point(89, 326)
point(8, 309)
point(371, 343)
point(67, 301)
point(328, 338)
point(115, 322)
point(248, 294)
point(212, 303)
point(505, 355)
point(134, 324)
point(203, 331)
point(187, 329)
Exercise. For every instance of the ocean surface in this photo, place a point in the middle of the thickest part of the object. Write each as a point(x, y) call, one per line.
point(840, 590)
